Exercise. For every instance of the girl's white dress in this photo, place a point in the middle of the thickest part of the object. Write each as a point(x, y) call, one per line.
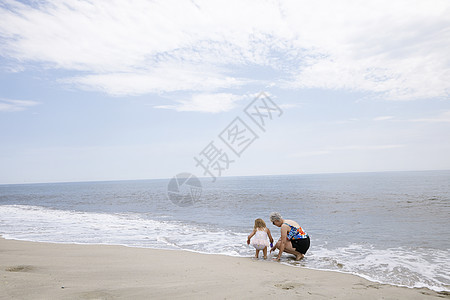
point(260, 240)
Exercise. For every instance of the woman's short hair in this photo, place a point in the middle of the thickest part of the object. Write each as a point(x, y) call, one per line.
point(275, 217)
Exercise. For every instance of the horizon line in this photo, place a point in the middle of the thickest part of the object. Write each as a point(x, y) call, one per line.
point(204, 177)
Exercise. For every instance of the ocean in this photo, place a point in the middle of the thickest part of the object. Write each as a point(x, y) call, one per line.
point(387, 227)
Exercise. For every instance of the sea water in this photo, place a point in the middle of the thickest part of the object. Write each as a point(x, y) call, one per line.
point(390, 227)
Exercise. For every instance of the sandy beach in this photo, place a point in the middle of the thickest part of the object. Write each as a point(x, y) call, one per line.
point(32, 270)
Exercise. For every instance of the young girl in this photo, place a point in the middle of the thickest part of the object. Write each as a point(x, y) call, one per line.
point(260, 242)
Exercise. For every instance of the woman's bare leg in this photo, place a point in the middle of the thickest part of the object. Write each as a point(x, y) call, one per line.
point(289, 249)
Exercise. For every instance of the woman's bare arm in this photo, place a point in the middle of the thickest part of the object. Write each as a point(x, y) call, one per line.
point(283, 238)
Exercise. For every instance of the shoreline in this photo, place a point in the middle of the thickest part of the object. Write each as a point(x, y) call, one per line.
point(39, 270)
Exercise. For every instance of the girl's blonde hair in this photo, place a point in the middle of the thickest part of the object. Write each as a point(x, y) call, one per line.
point(259, 223)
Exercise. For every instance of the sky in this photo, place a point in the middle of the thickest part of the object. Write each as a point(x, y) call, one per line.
point(123, 90)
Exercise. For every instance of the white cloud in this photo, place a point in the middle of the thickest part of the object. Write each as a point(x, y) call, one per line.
point(366, 147)
point(10, 105)
point(212, 103)
point(290, 105)
point(441, 118)
point(395, 49)
point(331, 150)
point(383, 118)
point(169, 78)
point(311, 153)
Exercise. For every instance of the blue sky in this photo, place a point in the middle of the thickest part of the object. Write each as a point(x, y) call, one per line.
point(112, 90)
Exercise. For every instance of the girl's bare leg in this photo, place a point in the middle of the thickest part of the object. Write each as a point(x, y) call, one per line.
point(265, 252)
point(257, 254)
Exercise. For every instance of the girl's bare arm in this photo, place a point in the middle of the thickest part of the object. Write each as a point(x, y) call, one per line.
point(250, 236)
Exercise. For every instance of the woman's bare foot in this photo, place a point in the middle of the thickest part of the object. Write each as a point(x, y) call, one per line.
point(299, 257)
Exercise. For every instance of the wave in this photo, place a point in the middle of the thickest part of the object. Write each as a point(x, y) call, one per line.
point(417, 268)
point(35, 223)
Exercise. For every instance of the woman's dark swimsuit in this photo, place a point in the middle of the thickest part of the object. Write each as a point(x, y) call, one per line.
point(299, 239)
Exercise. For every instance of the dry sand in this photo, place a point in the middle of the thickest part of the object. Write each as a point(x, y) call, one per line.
point(31, 270)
